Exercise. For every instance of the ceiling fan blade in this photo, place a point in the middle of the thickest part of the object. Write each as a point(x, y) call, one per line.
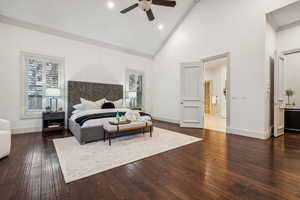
point(150, 15)
point(164, 3)
point(129, 8)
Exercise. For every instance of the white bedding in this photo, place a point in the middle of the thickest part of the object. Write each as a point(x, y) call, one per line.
point(99, 122)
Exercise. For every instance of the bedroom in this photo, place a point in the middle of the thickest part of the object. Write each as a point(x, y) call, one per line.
point(100, 45)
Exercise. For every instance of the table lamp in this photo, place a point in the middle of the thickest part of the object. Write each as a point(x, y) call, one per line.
point(53, 93)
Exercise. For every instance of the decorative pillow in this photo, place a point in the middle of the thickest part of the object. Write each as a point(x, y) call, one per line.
point(118, 103)
point(100, 102)
point(132, 115)
point(108, 105)
point(88, 105)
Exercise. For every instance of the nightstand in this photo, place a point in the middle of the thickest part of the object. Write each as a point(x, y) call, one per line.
point(53, 121)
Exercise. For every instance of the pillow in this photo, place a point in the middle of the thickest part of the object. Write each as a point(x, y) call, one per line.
point(108, 105)
point(118, 103)
point(76, 111)
point(88, 105)
point(132, 115)
point(100, 102)
point(78, 107)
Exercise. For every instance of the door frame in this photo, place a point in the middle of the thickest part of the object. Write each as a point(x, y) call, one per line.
point(228, 85)
point(292, 51)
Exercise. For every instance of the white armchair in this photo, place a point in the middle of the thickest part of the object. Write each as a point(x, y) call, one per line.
point(5, 138)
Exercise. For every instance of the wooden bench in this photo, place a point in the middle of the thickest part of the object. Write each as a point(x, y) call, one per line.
point(109, 128)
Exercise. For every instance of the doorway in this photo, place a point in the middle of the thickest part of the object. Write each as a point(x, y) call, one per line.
point(216, 92)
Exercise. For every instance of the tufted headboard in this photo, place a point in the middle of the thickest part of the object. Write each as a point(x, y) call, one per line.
point(91, 91)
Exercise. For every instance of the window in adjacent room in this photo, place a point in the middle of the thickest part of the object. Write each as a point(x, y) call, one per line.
point(134, 89)
point(41, 73)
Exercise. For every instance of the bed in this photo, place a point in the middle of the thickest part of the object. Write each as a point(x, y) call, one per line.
point(87, 126)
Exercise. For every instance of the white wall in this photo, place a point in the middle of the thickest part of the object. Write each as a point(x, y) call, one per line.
point(218, 76)
point(215, 27)
point(82, 62)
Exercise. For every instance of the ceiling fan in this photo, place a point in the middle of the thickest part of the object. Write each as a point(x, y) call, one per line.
point(145, 5)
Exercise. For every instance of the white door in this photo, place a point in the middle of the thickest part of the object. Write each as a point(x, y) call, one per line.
point(279, 95)
point(192, 95)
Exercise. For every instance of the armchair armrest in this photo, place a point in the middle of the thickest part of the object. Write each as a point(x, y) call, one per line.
point(4, 124)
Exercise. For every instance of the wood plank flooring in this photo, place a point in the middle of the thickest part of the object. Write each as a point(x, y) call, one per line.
point(220, 167)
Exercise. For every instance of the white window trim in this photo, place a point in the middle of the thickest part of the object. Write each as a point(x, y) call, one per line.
point(141, 72)
point(24, 55)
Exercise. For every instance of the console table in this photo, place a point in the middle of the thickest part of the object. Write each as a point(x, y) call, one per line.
point(292, 120)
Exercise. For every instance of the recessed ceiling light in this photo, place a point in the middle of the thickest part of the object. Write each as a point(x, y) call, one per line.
point(110, 4)
point(160, 27)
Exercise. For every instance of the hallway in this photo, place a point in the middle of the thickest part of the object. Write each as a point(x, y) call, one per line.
point(215, 122)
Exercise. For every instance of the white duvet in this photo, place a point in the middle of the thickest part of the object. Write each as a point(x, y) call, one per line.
point(99, 122)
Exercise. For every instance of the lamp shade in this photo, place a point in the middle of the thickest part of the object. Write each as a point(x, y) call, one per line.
point(52, 92)
point(132, 94)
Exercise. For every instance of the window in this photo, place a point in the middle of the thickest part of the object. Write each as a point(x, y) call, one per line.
point(134, 89)
point(40, 73)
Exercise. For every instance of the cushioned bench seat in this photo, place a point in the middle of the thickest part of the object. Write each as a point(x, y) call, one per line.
point(120, 128)
point(136, 125)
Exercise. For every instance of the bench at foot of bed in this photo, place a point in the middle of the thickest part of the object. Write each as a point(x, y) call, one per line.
point(110, 129)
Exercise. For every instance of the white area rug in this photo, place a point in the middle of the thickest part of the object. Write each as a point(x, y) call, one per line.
point(79, 161)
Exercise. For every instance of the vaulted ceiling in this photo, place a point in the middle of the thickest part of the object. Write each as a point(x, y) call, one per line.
point(93, 19)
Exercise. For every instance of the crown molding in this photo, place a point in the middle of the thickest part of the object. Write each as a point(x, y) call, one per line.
point(195, 2)
point(288, 26)
point(272, 21)
point(71, 36)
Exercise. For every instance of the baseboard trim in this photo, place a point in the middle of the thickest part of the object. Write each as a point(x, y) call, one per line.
point(248, 133)
point(16, 131)
point(165, 119)
point(242, 132)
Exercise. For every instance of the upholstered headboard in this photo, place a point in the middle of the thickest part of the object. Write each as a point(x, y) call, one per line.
point(91, 91)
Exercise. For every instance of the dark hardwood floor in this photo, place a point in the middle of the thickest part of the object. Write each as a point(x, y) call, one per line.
point(220, 167)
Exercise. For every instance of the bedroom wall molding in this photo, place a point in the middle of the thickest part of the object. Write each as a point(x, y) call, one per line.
point(248, 133)
point(16, 131)
point(288, 26)
point(43, 29)
point(292, 51)
point(184, 16)
point(164, 119)
point(234, 131)
point(272, 21)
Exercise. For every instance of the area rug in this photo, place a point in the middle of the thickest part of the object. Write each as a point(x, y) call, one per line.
point(80, 161)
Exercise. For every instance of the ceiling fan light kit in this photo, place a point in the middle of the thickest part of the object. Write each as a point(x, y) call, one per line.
point(145, 5)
